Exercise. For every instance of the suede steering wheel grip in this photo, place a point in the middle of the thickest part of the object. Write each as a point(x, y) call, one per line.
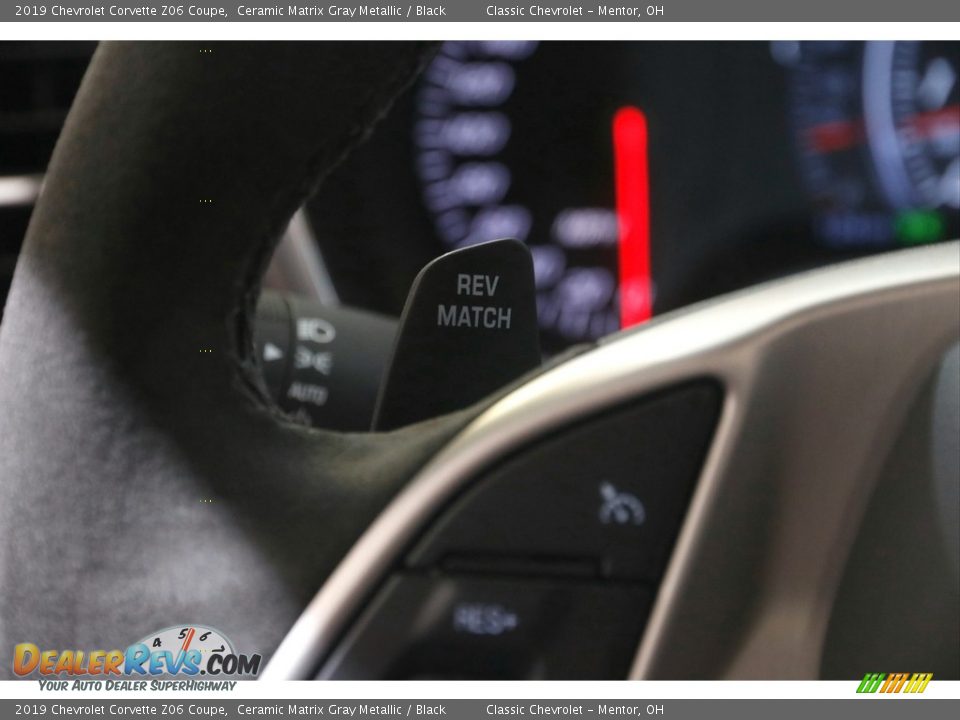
point(145, 481)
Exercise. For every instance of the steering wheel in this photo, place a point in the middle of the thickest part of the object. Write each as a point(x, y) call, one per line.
point(147, 480)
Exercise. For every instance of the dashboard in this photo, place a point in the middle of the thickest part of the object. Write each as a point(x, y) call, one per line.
point(647, 176)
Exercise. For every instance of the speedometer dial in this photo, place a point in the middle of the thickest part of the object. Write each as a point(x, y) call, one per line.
point(490, 168)
point(878, 127)
point(924, 118)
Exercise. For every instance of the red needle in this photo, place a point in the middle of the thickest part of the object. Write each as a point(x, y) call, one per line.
point(933, 122)
point(186, 640)
point(835, 136)
point(633, 214)
point(843, 134)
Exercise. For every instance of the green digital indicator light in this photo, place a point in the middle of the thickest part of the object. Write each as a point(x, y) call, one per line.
point(918, 227)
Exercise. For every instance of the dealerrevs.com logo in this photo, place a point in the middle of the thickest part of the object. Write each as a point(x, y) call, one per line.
point(179, 651)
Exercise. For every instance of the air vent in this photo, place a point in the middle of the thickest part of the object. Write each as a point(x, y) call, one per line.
point(37, 83)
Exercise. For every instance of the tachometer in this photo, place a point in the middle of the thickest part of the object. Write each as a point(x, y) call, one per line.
point(490, 167)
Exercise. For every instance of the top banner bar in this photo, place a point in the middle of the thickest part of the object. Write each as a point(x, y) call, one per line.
point(222, 11)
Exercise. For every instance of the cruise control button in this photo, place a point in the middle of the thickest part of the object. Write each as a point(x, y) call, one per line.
point(485, 628)
point(609, 493)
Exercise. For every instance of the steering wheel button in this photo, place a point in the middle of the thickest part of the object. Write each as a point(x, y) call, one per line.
point(608, 493)
point(451, 627)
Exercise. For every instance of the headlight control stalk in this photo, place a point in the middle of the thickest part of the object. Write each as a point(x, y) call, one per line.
point(468, 328)
point(322, 364)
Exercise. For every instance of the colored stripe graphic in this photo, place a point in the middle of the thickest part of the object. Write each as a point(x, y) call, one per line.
point(894, 683)
point(898, 680)
point(871, 682)
point(918, 682)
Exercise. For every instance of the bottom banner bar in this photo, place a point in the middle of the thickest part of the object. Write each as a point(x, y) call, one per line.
point(878, 708)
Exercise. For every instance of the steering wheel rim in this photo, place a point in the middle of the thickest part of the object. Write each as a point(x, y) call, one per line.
point(147, 481)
